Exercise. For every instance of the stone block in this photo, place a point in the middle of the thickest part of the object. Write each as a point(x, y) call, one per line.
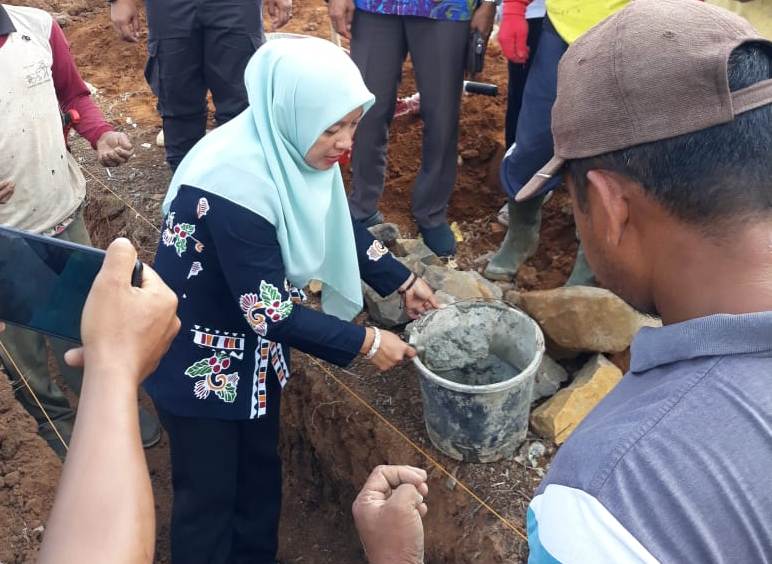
point(557, 418)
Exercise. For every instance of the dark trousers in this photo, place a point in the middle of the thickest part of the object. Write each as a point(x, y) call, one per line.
point(226, 477)
point(379, 46)
point(533, 146)
point(518, 73)
point(195, 47)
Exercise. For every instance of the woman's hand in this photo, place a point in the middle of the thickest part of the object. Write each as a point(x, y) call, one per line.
point(392, 349)
point(418, 298)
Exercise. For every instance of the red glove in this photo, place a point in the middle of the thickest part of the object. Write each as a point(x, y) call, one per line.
point(513, 33)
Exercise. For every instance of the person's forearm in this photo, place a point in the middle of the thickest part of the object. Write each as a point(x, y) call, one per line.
point(71, 92)
point(103, 510)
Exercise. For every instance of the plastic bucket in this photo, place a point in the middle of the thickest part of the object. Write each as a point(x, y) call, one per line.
point(477, 361)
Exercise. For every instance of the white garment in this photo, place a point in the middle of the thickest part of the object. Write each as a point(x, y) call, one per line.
point(49, 184)
point(536, 9)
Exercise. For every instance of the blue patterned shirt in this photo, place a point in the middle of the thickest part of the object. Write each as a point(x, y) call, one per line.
point(454, 10)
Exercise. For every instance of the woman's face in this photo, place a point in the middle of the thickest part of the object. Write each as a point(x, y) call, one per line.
point(334, 142)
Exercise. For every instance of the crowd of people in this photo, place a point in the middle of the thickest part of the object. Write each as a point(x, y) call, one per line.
point(655, 115)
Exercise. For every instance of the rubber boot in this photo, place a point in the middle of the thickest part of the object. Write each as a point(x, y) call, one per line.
point(581, 275)
point(521, 241)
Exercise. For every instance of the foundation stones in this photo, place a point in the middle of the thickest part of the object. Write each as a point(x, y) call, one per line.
point(450, 285)
point(463, 284)
point(416, 249)
point(548, 379)
point(385, 312)
point(556, 418)
point(583, 319)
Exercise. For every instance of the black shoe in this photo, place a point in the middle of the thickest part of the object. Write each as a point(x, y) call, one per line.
point(440, 240)
point(149, 428)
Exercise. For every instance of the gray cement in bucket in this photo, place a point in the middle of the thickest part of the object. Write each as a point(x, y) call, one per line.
point(477, 362)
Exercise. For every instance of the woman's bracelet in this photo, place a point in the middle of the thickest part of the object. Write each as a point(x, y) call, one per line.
point(413, 279)
point(376, 346)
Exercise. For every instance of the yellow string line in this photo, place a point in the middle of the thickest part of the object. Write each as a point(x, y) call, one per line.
point(127, 204)
point(425, 454)
point(360, 399)
point(34, 396)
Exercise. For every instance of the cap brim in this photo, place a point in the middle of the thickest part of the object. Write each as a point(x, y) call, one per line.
point(536, 184)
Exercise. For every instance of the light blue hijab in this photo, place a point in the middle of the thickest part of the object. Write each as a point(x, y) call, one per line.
point(297, 88)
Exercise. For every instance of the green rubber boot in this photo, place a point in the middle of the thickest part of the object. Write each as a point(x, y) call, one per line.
point(521, 241)
point(581, 275)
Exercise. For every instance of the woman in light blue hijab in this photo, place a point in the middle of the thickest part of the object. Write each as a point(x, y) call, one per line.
point(256, 211)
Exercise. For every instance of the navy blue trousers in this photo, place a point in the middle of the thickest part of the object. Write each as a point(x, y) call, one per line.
point(518, 73)
point(195, 47)
point(226, 477)
point(533, 146)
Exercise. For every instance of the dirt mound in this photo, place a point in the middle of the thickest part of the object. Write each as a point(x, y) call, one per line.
point(29, 471)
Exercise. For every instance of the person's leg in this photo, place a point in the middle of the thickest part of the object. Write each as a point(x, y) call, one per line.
point(532, 149)
point(378, 48)
point(516, 83)
point(175, 75)
point(437, 49)
point(256, 523)
point(204, 455)
point(25, 357)
point(150, 428)
point(518, 73)
point(581, 274)
point(232, 34)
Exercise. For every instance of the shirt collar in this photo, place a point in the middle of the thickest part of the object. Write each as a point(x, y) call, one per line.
point(6, 25)
point(715, 335)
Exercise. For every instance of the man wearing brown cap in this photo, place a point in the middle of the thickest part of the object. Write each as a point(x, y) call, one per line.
point(663, 134)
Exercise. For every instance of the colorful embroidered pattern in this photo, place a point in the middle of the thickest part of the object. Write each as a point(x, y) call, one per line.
point(266, 352)
point(202, 208)
point(226, 341)
point(211, 370)
point(267, 306)
point(297, 296)
point(177, 234)
point(279, 364)
point(377, 251)
point(195, 268)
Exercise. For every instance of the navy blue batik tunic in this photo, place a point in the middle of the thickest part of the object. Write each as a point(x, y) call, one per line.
point(239, 314)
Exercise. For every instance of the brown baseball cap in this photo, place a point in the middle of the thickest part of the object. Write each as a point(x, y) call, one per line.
point(654, 70)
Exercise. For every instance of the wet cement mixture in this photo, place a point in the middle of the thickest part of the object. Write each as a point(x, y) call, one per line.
point(336, 424)
point(489, 370)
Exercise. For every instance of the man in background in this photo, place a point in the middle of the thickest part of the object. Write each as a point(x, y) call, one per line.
point(42, 189)
point(566, 20)
point(195, 47)
point(436, 36)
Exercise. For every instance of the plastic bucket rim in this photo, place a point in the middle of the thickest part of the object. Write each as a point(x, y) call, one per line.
point(532, 367)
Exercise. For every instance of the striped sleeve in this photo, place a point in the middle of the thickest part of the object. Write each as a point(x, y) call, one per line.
point(569, 525)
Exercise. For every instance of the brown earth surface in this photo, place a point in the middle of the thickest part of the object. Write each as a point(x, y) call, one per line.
point(330, 439)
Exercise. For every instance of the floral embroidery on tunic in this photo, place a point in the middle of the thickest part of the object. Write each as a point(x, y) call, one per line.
point(202, 207)
point(268, 306)
point(177, 234)
point(214, 380)
point(377, 251)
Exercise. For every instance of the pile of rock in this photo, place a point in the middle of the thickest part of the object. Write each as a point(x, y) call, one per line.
point(451, 285)
point(577, 320)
